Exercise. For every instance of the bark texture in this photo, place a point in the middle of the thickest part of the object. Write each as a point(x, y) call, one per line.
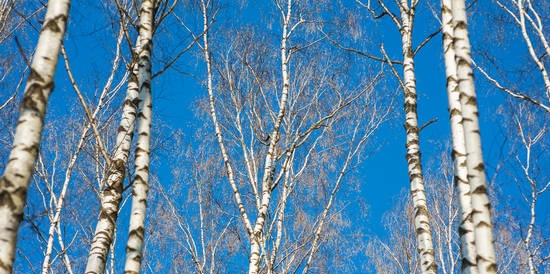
point(481, 207)
point(134, 247)
point(17, 174)
point(270, 163)
point(460, 170)
point(421, 217)
point(111, 196)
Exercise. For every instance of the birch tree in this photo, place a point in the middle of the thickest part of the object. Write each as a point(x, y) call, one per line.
point(466, 228)
point(528, 181)
point(271, 126)
point(18, 170)
point(525, 26)
point(405, 22)
point(139, 83)
point(395, 253)
point(537, 184)
point(134, 249)
point(481, 206)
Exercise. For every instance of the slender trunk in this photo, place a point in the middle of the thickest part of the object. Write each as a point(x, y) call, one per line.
point(134, 248)
point(269, 167)
point(111, 196)
point(540, 64)
point(59, 204)
point(421, 218)
point(528, 142)
point(217, 129)
point(481, 207)
point(466, 226)
point(91, 122)
point(17, 174)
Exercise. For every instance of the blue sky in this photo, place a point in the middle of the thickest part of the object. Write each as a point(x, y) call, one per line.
point(383, 175)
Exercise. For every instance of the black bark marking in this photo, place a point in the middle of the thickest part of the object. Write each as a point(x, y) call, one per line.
point(31, 149)
point(492, 268)
point(480, 190)
point(460, 25)
point(138, 232)
point(141, 150)
point(432, 267)
point(133, 78)
point(420, 230)
point(472, 101)
point(52, 24)
point(480, 167)
point(410, 107)
point(6, 200)
point(146, 84)
point(483, 224)
point(34, 76)
point(421, 211)
point(6, 265)
point(453, 112)
point(462, 231)
point(5, 183)
point(35, 98)
point(138, 178)
point(466, 263)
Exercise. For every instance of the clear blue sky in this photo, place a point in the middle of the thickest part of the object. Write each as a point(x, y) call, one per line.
point(90, 41)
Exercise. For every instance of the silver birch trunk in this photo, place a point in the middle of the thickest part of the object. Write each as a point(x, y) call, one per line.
point(134, 247)
point(269, 167)
point(217, 129)
point(55, 219)
point(111, 196)
point(460, 171)
point(481, 207)
point(421, 218)
point(17, 174)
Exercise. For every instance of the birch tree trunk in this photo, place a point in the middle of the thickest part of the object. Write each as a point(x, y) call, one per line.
point(17, 174)
point(269, 166)
point(460, 171)
point(421, 218)
point(134, 247)
point(111, 196)
point(481, 207)
point(217, 129)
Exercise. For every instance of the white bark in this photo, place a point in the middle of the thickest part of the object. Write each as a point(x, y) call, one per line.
point(460, 171)
point(14, 183)
point(269, 166)
point(481, 207)
point(530, 141)
point(55, 219)
point(421, 217)
point(134, 248)
point(111, 196)
point(219, 137)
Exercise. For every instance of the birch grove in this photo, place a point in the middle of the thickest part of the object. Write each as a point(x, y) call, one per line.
point(275, 142)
